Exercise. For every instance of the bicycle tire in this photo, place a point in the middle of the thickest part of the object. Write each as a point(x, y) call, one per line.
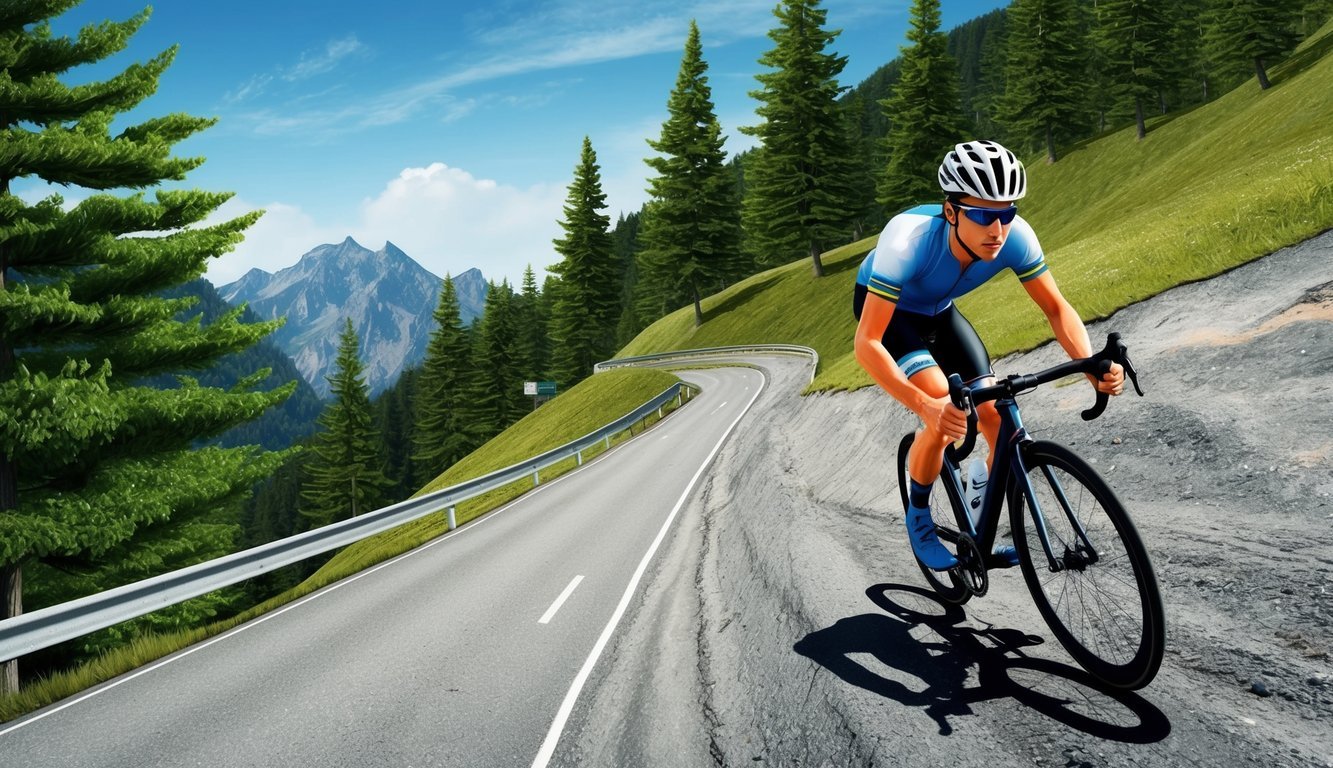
point(946, 515)
point(1107, 614)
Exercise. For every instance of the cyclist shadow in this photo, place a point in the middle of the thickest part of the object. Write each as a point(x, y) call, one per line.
point(1063, 693)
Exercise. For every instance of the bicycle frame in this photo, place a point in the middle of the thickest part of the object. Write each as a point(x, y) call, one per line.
point(1008, 464)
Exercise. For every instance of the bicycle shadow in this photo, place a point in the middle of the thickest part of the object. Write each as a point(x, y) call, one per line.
point(1063, 693)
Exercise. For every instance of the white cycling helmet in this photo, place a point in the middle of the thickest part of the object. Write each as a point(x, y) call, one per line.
point(985, 170)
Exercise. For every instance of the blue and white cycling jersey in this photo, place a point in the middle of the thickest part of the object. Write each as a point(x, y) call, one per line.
point(913, 267)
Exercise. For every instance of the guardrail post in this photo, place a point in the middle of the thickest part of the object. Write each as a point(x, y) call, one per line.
point(659, 414)
point(536, 477)
point(453, 523)
point(607, 441)
point(580, 455)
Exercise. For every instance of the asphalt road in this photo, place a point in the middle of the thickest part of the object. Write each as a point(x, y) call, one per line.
point(459, 653)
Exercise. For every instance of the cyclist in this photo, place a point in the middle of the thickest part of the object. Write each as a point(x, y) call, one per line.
point(910, 336)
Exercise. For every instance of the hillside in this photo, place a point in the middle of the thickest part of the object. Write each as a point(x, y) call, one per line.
point(1120, 220)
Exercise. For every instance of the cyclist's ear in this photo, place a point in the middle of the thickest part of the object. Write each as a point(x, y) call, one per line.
point(945, 212)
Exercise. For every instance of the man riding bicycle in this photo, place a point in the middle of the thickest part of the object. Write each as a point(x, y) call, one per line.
point(910, 336)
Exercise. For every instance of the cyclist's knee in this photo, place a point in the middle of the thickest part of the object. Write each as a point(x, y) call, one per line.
point(933, 438)
point(988, 417)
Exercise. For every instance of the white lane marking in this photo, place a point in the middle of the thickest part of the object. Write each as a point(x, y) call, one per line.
point(559, 601)
point(720, 407)
point(567, 706)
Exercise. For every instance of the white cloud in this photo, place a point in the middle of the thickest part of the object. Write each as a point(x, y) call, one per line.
point(444, 218)
point(450, 221)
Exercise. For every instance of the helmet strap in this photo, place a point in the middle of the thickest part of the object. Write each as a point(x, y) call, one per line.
point(954, 225)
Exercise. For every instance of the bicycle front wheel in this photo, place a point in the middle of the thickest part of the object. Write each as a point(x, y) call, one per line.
point(1099, 595)
point(946, 509)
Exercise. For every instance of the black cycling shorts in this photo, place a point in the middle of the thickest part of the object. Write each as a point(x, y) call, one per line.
point(917, 342)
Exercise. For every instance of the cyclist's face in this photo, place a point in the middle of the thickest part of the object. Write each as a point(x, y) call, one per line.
point(984, 240)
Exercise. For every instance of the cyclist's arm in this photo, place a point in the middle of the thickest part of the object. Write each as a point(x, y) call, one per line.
point(1069, 329)
point(876, 360)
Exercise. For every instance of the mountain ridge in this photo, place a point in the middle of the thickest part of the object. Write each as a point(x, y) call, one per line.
point(389, 297)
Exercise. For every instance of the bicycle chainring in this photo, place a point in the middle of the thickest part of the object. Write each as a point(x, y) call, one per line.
point(971, 571)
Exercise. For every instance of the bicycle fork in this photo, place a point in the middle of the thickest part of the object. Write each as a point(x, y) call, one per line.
point(1083, 554)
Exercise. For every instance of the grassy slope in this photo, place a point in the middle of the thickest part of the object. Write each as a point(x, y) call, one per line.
point(1120, 219)
point(592, 404)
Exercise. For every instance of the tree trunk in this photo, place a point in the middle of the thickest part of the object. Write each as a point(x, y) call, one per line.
point(698, 307)
point(11, 605)
point(11, 574)
point(1138, 117)
point(1050, 144)
point(1262, 73)
point(814, 256)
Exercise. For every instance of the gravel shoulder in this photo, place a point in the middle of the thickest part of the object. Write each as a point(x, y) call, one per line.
point(785, 623)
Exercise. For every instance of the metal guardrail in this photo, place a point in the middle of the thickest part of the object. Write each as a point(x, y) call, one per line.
point(48, 626)
point(782, 349)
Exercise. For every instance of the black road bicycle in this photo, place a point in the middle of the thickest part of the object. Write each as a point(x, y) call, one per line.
point(1081, 557)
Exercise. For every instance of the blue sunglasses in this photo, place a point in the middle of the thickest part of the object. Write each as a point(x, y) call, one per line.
point(987, 216)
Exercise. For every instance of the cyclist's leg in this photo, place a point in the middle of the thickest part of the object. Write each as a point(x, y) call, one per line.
point(958, 349)
point(905, 341)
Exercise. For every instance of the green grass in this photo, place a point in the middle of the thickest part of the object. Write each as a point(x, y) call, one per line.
point(1121, 220)
point(595, 402)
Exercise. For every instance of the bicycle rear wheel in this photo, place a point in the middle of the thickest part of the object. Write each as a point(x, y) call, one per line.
point(1103, 604)
point(945, 508)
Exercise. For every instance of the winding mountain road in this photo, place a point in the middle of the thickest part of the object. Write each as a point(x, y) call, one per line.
point(458, 653)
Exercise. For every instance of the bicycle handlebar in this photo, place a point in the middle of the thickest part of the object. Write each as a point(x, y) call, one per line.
point(967, 398)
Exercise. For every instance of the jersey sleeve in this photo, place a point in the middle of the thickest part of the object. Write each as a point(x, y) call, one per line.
point(1026, 259)
point(893, 261)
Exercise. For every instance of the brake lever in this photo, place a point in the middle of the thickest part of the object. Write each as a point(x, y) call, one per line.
point(1114, 351)
point(962, 400)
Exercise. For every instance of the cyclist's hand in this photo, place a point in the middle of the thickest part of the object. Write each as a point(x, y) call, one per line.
point(941, 414)
point(1113, 381)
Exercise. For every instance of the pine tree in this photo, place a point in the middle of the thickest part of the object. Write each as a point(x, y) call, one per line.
point(100, 474)
point(345, 476)
point(1253, 34)
point(1134, 37)
point(442, 433)
point(924, 112)
point(1044, 83)
point(587, 305)
point(696, 221)
point(532, 347)
point(797, 193)
point(495, 397)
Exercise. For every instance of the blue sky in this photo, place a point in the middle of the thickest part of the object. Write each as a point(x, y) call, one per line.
point(451, 129)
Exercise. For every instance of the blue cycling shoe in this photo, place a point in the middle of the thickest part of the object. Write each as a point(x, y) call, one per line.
point(925, 542)
point(1004, 556)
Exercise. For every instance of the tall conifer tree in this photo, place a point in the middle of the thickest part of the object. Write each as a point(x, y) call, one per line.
point(1253, 34)
point(587, 303)
point(532, 346)
point(797, 189)
point(1044, 96)
point(345, 476)
point(925, 113)
point(495, 398)
point(1134, 37)
point(101, 472)
point(443, 435)
point(695, 227)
